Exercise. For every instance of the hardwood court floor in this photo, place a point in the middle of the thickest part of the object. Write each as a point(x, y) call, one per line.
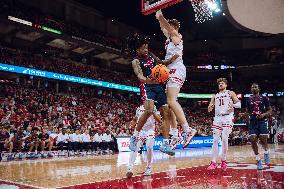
point(186, 170)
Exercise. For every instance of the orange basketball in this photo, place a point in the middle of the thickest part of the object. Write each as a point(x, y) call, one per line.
point(160, 73)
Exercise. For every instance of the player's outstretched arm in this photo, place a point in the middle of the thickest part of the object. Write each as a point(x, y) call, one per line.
point(165, 62)
point(138, 71)
point(173, 34)
point(165, 32)
point(236, 101)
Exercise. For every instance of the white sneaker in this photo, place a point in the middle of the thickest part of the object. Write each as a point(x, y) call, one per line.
point(174, 142)
point(187, 137)
point(148, 171)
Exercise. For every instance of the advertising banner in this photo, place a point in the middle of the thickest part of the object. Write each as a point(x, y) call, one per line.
point(197, 142)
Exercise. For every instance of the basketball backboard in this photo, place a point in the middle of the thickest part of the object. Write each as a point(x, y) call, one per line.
point(151, 6)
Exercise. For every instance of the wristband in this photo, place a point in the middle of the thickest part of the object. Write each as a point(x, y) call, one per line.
point(237, 105)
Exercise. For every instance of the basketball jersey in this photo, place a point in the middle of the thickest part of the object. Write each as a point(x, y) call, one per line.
point(150, 123)
point(222, 101)
point(257, 105)
point(172, 49)
point(147, 64)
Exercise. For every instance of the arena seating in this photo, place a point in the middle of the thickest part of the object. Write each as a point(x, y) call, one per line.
point(25, 109)
point(21, 11)
point(37, 60)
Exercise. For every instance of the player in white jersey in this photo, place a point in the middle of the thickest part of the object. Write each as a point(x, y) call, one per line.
point(147, 134)
point(224, 102)
point(174, 46)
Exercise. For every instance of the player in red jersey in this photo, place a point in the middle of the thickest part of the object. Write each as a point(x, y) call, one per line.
point(224, 102)
point(174, 46)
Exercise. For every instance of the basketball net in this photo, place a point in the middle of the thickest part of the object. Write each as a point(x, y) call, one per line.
point(202, 10)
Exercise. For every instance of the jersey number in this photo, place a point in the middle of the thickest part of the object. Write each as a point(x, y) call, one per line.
point(221, 102)
point(172, 71)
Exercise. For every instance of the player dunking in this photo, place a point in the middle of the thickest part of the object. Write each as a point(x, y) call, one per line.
point(224, 102)
point(152, 92)
point(147, 134)
point(259, 110)
point(174, 46)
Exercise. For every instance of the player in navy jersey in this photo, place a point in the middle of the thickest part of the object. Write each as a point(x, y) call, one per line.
point(152, 92)
point(259, 109)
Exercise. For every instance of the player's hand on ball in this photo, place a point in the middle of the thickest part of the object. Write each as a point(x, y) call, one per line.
point(210, 107)
point(174, 58)
point(158, 14)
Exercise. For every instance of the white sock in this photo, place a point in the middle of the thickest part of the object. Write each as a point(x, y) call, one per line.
point(185, 127)
point(149, 157)
point(215, 151)
point(149, 146)
point(166, 141)
point(132, 159)
point(224, 147)
point(135, 134)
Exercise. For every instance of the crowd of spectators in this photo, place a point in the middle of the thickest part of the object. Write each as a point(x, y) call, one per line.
point(53, 63)
point(36, 121)
point(245, 57)
point(27, 114)
point(69, 67)
point(39, 120)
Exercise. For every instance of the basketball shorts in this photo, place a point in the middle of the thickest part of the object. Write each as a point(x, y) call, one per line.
point(2, 148)
point(155, 93)
point(258, 127)
point(177, 75)
point(223, 122)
